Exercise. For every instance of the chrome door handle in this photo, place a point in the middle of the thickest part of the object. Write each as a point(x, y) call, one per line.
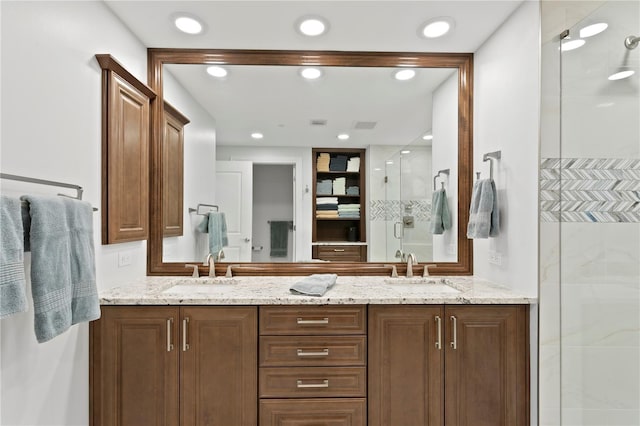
point(324, 384)
point(395, 230)
point(301, 321)
point(324, 352)
point(246, 240)
point(439, 331)
point(185, 345)
point(169, 342)
point(454, 324)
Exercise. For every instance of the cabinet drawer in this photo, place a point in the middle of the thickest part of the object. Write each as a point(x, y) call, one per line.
point(340, 253)
point(283, 351)
point(305, 382)
point(312, 320)
point(313, 412)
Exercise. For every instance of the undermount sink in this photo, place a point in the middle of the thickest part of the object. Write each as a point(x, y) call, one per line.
point(200, 285)
point(431, 284)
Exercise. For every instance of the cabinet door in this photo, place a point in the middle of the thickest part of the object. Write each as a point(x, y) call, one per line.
point(486, 366)
point(405, 366)
point(219, 366)
point(134, 367)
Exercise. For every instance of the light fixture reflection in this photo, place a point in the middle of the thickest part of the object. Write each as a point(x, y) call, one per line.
point(403, 75)
point(312, 27)
point(311, 73)
point(257, 135)
point(343, 136)
point(571, 45)
point(591, 30)
point(620, 75)
point(427, 137)
point(216, 71)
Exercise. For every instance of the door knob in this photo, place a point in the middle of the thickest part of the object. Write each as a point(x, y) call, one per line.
point(246, 240)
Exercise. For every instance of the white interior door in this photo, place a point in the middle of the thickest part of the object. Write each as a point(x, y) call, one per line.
point(234, 196)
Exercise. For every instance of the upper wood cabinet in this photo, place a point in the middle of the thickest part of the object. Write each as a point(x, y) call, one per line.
point(125, 154)
point(173, 171)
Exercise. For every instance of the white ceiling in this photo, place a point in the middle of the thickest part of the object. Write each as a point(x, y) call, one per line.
point(276, 101)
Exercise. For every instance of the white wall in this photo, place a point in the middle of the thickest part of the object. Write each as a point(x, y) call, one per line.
point(301, 157)
point(445, 156)
point(51, 124)
point(506, 118)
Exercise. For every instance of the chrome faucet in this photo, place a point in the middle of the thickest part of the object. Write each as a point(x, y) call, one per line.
point(411, 260)
point(229, 273)
point(425, 270)
point(394, 270)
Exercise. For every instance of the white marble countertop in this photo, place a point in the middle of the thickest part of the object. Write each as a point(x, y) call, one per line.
point(274, 290)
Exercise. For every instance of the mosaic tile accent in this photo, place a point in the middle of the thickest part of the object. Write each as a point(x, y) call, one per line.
point(393, 210)
point(590, 190)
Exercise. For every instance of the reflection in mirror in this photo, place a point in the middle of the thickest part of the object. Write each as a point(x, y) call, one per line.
point(409, 130)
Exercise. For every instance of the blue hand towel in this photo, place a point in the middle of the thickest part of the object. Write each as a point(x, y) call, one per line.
point(314, 285)
point(13, 295)
point(63, 277)
point(215, 224)
point(484, 217)
point(279, 233)
point(440, 215)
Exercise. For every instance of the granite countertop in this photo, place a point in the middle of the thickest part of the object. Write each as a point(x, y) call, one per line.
point(274, 290)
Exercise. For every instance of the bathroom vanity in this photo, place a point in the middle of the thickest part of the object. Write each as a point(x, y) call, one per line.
point(372, 351)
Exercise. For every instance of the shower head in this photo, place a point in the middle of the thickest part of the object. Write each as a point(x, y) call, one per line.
point(631, 42)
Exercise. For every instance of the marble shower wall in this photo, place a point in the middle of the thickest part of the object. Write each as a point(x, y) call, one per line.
point(590, 227)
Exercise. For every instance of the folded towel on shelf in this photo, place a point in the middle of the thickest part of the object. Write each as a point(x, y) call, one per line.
point(349, 207)
point(13, 294)
point(324, 187)
point(484, 218)
point(353, 165)
point(322, 162)
point(338, 163)
point(215, 224)
point(326, 214)
point(440, 214)
point(339, 185)
point(353, 190)
point(327, 207)
point(314, 285)
point(279, 233)
point(326, 200)
point(63, 275)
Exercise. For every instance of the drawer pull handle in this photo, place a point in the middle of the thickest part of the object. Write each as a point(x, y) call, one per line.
point(324, 352)
point(169, 341)
point(439, 325)
point(338, 250)
point(454, 342)
point(320, 321)
point(324, 384)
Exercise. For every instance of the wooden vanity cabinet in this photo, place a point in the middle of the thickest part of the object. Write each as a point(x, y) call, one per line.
point(454, 365)
point(313, 365)
point(174, 366)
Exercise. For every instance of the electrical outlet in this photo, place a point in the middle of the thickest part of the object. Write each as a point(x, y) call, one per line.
point(124, 258)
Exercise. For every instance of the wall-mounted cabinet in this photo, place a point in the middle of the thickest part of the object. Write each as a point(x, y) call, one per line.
point(173, 171)
point(125, 154)
point(339, 205)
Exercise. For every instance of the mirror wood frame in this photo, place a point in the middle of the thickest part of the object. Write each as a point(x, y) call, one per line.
point(463, 62)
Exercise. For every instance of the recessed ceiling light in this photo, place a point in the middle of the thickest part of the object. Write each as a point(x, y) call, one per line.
point(216, 71)
point(427, 137)
point(406, 151)
point(343, 136)
point(571, 45)
point(311, 73)
point(593, 29)
point(312, 26)
point(619, 75)
point(389, 162)
point(406, 74)
point(257, 135)
point(188, 24)
point(437, 27)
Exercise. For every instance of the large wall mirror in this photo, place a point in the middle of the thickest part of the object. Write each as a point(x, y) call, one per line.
point(415, 134)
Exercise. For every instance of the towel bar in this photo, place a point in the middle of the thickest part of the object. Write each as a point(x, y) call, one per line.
point(197, 209)
point(78, 188)
point(440, 172)
point(490, 156)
